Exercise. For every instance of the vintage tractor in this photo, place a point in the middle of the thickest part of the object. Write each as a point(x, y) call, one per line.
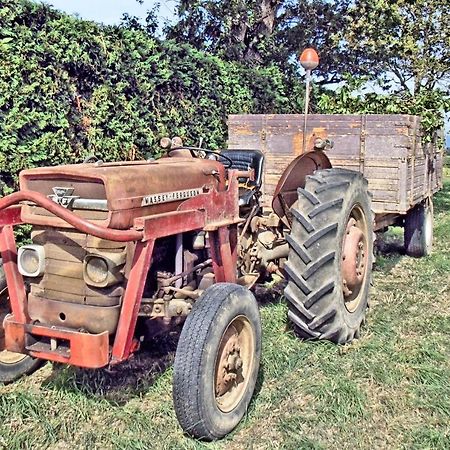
point(123, 251)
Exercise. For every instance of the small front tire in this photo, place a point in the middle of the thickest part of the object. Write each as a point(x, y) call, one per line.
point(217, 361)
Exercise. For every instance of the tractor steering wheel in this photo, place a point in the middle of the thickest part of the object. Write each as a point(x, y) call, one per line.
point(193, 151)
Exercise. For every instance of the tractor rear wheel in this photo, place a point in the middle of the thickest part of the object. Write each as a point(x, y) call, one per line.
point(330, 256)
point(419, 229)
point(217, 361)
point(12, 365)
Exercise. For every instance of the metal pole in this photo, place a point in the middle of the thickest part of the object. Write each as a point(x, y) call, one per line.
point(308, 79)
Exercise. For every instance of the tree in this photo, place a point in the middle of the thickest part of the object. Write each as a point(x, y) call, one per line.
point(237, 29)
point(264, 31)
point(403, 46)
point(403, 43)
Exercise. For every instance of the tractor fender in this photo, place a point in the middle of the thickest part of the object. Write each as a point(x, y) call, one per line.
point(293, 178)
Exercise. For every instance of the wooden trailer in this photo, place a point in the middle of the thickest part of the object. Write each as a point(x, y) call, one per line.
point(402, 170)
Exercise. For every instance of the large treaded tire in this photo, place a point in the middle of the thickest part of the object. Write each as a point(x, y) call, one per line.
point(419, 230)
point(12, 369)
point(195, 397)
point(314, 291)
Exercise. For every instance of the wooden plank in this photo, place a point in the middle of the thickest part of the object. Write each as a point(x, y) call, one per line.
point(381, 172)
point(384, 196)
point(380, 207)
point(386, 185)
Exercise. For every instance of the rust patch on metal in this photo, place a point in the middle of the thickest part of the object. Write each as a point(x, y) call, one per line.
point(294, 177)
point(353, 258)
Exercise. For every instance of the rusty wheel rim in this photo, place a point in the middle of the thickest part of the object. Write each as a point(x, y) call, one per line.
point(355, 254)
point(6, 357)
point(234, 363)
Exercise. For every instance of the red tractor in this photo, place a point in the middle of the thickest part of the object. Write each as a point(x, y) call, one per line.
point(124, 251)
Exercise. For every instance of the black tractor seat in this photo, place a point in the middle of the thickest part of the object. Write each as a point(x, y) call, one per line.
point(244, 160)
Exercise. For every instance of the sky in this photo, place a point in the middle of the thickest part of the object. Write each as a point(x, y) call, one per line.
point(110, 11)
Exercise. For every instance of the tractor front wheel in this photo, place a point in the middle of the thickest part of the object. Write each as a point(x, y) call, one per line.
point(12, 365)
point(330, 256)
point(217, 361)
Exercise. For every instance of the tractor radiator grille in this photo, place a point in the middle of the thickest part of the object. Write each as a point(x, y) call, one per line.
point(61, 296)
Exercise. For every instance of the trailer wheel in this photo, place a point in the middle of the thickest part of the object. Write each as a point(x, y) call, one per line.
point(419, 229)
point(217, 361)
point(330, 256)
point(12, 365)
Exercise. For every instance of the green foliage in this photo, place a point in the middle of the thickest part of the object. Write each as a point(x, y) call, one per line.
point(70, 88)
point(351, 98)
point(406, 41)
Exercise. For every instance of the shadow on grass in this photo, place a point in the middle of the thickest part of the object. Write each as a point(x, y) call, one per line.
point(389, 249)
point(266, 295)
point(122, 382)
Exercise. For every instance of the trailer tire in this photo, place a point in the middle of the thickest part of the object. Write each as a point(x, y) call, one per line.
point(330, 256)
point(12, 365)
point(219, 344)
point(419, 229)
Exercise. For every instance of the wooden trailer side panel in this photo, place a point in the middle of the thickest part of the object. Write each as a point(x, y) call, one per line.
point(387, 149)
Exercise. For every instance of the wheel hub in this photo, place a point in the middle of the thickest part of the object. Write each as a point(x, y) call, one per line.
point(354, 257)
point(230, 362)
point(234, 363)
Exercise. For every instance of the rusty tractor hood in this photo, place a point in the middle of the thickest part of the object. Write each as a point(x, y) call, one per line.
point(114, 194)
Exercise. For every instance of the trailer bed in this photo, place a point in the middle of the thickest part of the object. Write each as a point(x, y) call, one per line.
point(389, 150)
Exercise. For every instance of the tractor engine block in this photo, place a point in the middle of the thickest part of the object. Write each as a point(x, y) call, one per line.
point(263, 247)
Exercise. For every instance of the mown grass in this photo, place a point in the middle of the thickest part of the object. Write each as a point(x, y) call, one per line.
point(388, 389)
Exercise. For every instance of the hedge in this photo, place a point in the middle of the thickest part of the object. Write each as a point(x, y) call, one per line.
point(70, 88)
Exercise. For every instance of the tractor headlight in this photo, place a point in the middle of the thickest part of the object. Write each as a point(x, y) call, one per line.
point(31, 260)
point(105, 269)
point(96, 269)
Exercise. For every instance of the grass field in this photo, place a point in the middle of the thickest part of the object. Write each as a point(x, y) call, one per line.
point(390, 389)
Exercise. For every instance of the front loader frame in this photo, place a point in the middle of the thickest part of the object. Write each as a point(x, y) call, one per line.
point(216, 212)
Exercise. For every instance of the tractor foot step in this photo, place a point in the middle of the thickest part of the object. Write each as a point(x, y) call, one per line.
point(49, 348)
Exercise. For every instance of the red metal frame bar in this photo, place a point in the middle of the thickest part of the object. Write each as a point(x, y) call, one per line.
point(10, 216)
point(123, 342)
point(222, 255)
point(221, 208)
point(160, 225)
point(16, 288)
